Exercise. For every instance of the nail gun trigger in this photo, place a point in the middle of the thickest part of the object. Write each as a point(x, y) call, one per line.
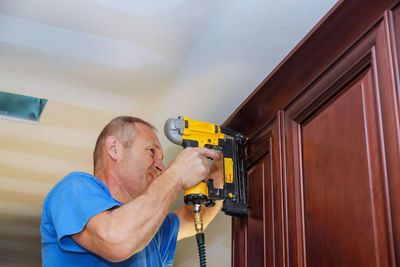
point(215, 147)
point(214, 193)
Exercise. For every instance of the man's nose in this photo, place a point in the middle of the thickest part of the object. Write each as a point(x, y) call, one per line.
point(159, 165)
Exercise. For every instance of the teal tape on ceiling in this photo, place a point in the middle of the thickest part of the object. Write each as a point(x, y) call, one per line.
point(21, 107)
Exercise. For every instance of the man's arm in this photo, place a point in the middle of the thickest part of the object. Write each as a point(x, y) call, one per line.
point(119, 233)
point(185, 214)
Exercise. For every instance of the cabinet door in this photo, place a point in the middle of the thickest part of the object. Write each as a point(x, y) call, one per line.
point(340, 136)
point(327, 191)
point(254, 237)
point(252, 230)
point(344, 181)
point(259, 213)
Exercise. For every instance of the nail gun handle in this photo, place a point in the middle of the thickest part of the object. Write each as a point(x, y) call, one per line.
point(197, 194)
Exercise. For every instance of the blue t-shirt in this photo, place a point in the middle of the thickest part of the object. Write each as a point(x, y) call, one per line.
point(71, 204)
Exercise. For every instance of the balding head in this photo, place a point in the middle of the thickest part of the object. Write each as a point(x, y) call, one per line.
point(123, 128)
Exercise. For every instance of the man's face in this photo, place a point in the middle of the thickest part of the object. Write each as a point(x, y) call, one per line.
point(142, 162)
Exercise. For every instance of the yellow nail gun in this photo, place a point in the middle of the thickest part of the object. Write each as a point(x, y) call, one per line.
point(189, 133)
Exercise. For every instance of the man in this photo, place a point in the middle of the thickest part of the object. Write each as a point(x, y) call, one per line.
point(119, 216)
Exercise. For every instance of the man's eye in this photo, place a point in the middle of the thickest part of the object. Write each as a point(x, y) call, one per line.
point(152, 151)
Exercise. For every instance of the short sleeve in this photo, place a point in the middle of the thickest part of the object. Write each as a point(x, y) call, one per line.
point(73, 204)
point(167, 238)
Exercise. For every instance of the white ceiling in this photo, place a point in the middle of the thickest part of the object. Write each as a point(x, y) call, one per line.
point(96, 59)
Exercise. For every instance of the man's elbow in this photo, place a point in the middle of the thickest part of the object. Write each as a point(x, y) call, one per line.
point(117, 249)
point(115, 255)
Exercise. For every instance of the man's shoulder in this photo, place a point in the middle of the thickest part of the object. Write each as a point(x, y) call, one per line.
point(78, 189)
point(79, 178)
point(76, 181)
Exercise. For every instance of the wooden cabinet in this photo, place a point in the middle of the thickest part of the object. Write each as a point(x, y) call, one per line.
point(324, 147)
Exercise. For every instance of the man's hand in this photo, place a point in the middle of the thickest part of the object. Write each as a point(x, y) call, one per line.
point(191, 165)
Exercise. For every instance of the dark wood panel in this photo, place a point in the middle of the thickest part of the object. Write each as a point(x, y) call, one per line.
point(258, 146)
point(239, 242)
point(328, 120)
point(260, 222)
point(269, 226)
point(294, 189)
point(256, 228)
point(279, 193)
point(373, 53)
point(344, 196)
point(392, 101)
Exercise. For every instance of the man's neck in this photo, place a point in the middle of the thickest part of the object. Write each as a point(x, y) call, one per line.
point(113, 184)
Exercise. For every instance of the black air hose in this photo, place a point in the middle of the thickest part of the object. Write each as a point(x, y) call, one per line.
point(202, 249)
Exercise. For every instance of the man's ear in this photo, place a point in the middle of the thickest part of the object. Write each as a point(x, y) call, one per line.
point(111, 147)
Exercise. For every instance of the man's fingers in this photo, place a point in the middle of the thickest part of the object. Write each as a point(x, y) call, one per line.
point(207, 153)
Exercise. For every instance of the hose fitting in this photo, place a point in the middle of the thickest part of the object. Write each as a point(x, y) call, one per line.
point(198, 220)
